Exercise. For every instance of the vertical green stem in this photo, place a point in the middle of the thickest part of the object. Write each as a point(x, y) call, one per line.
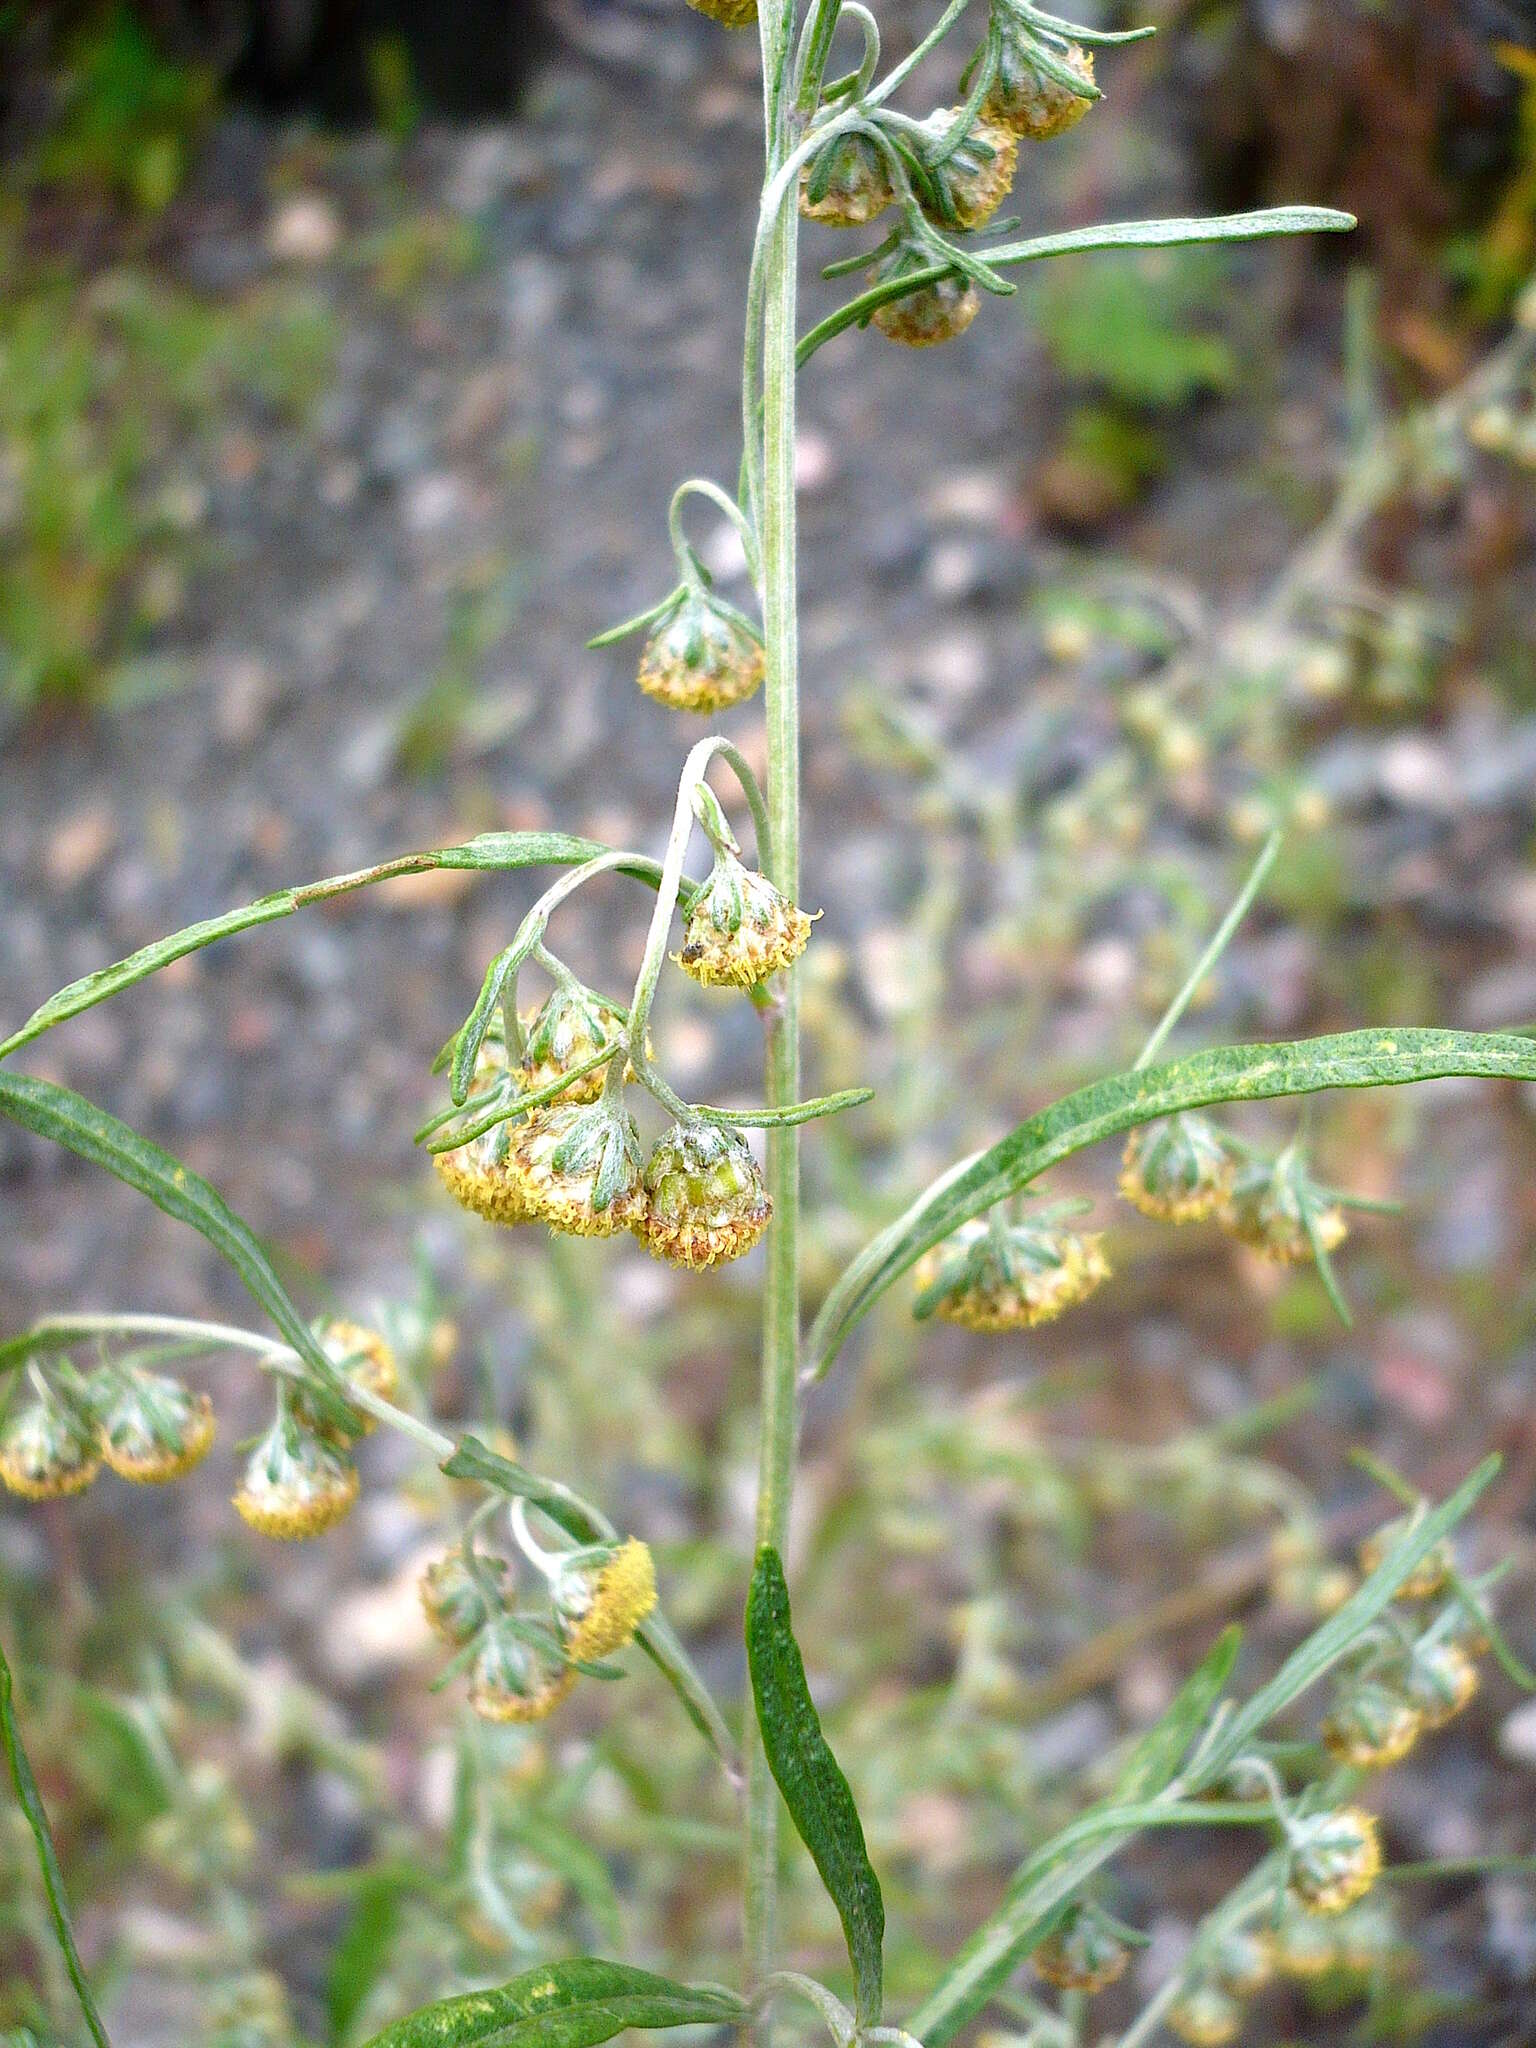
point(781, 1300)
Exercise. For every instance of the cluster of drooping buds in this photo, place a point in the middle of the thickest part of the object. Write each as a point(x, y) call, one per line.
point(994, 1275)
point(1403, 1682)
point(142, 1425)
point(522, 1664)
point(301, 1478)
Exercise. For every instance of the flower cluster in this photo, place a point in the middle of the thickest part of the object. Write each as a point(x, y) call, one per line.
point(521, 1663)
point(143, 1425)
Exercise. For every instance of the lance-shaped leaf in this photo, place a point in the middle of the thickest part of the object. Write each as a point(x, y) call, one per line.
point(1105, 1109)
point(489, 853)
point(815, 1790)
point(1157, 1755)
point(1121, 234)
point(31, 1802)
point(574, 2004)
point(91, 1133)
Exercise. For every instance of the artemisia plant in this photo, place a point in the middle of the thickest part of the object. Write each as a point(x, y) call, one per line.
point(561, 1114)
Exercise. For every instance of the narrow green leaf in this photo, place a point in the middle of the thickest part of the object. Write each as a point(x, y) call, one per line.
point(792, 1112)
point(814, 1788)
point(31, 1803)
point(575, 2004)
point(1156, 1757)
point(1125, 234)
point(655, 1635)
point(1234, 1073)
point(92, 1134)
point(490, 852)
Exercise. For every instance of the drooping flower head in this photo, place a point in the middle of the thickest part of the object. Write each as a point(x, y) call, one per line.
point(702, 654)
point(1178, 1170)
point(570, 1026)
point(936, 310)
point(1371, 1725)
point(460, 1598)
point(1027, 100)
point(152, 1427)
point(581, 1169)
point(48, 1449)
point(740, 929)
point(602, 1595)
point(968, 177)
point(511, 1680)
point(993, 1277)
point(363, 1359)
point(297, 1482)
point(847, 183)
point(1084, 1954)
point(477, 1173)
point(1267, 1208)
point(706, 1201)
point(1336, 1859)
point(1438, 1680)
point(1205, 2016)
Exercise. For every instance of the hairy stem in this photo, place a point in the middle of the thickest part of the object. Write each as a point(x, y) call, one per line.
point(781, 1300)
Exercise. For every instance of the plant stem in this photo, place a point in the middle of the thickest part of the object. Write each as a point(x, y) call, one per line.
point(781, 1298)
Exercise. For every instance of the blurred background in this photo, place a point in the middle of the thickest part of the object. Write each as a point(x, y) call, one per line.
point(349, 352)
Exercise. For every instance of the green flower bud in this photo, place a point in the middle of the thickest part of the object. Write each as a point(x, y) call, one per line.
point(48, 1450)
point(152, 1427)
point(970, 179)
point(580, 1170)
point(707, 1202)
point(847, 183)
point(1026, 101)
point(740, 929)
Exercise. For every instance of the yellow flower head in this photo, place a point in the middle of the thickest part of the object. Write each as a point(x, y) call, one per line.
point(1082, 1955)
point(362, 1358)
point(47, 1451)
point(297, 1482)
point(1027, 102)
point(992, 1279)
point(968, 179)
point(1336, 1861)
point(705, 1197)
point(479, 1177)
point(510, 1681)
point(601, 1601)
point(729, 13)
point(1371, 1726)
point(458, 1600)
point(1439, 1681)
point(571, 1025)
point(1177, 1171)
point(846, 184)
point(740, 929)
point(580, 1169)
point(702, 654)
point(1264, 1211)
point(1205, 2016)
point(152, 1428)
point(1428, 1576)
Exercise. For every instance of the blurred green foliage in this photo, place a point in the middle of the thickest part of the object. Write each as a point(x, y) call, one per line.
point(112, 394)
